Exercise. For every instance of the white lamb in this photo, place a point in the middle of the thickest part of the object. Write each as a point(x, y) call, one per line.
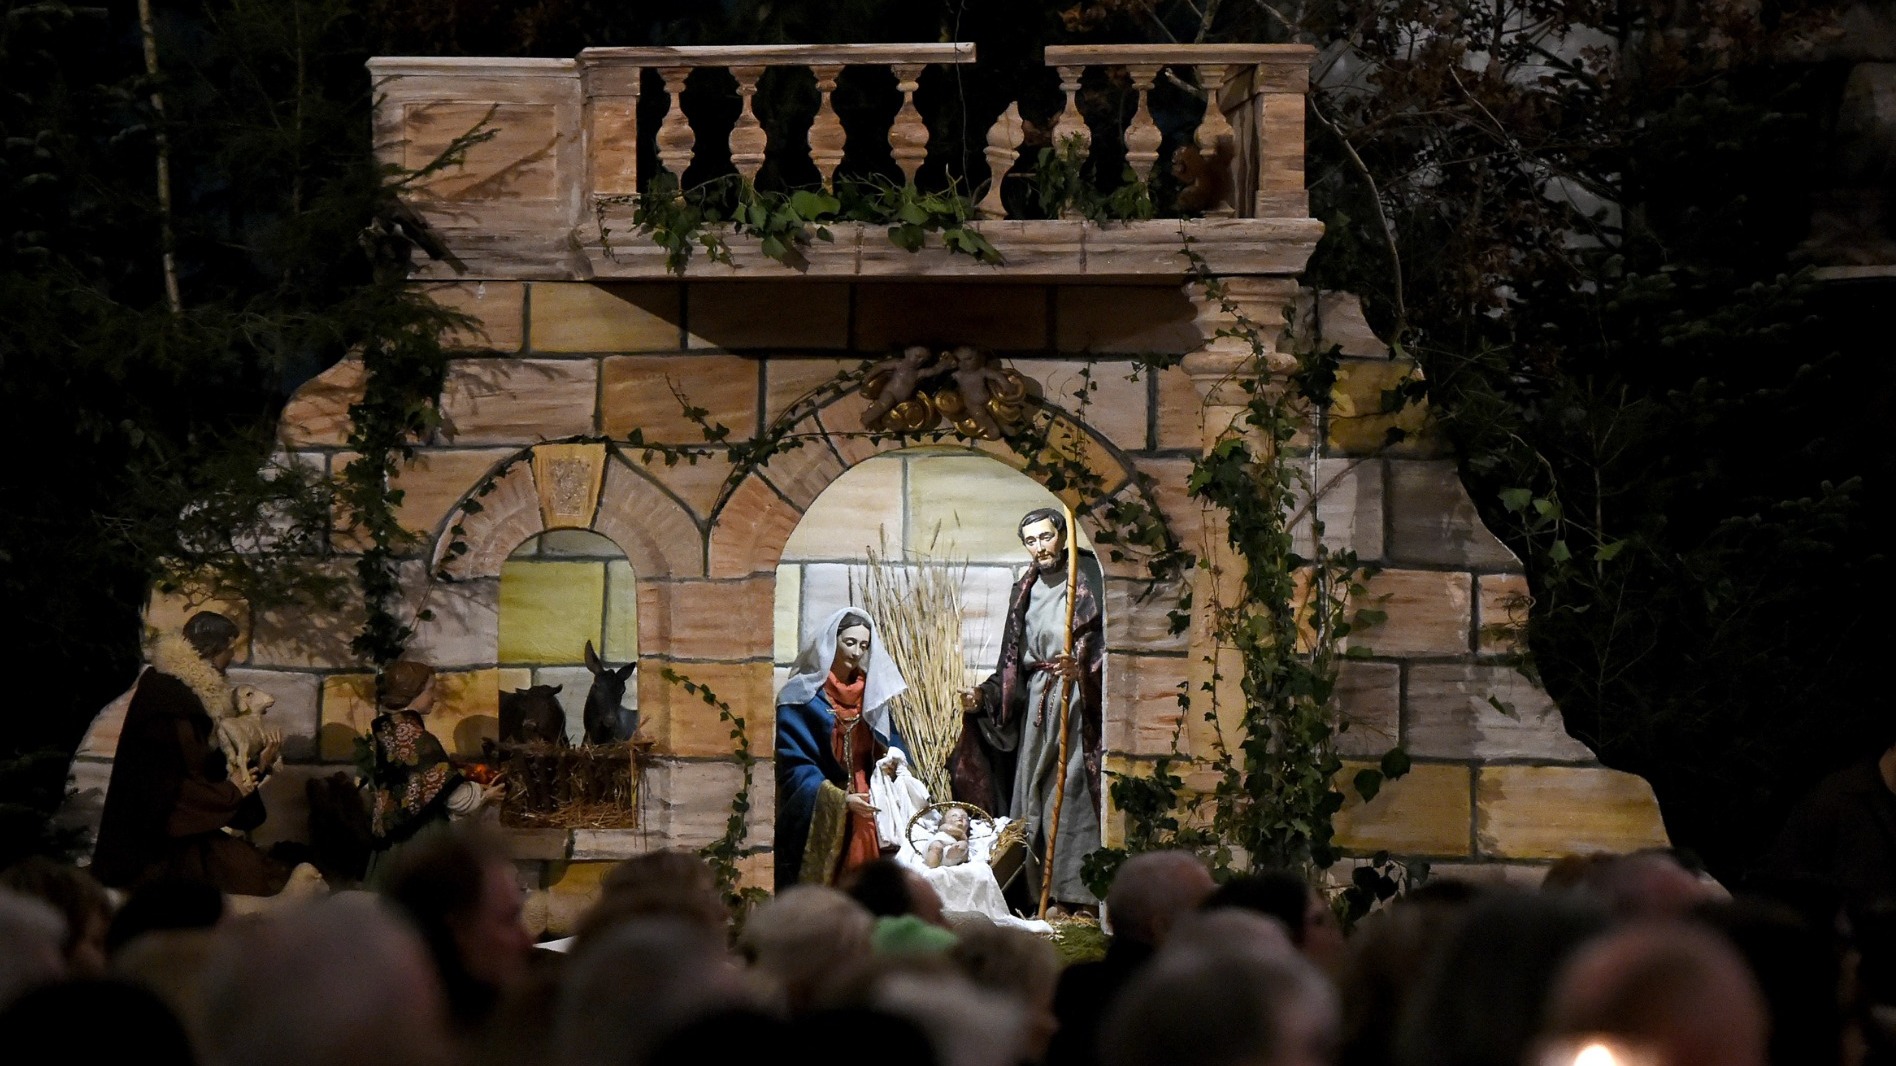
point(241, 734)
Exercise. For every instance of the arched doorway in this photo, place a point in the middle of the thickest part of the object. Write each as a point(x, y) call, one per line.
point(560, 590)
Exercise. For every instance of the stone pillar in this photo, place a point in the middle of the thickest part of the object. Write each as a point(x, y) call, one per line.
point(1215, 370)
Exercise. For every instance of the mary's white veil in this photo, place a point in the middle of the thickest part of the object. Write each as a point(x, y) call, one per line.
point(884, 682)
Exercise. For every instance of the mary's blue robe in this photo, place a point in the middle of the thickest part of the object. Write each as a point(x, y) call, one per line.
point(804, 762)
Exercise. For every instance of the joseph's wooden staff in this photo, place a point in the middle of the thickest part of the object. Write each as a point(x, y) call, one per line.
point(1060, 775)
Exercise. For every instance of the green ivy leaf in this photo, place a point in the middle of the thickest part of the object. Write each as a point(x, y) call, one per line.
point(1395, 763)
point(1516, 499)
point(1367, 783)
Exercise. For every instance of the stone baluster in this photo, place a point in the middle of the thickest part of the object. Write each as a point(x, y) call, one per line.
point(908, 135)
point(1218, 370)
point(1003, 145)
point(1071, 123)
point(675, 138)
point(1216, 140)
point(1143, 137)
point(827, 138)
point(748, 139)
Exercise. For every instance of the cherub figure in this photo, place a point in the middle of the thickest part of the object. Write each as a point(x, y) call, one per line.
point(948, 846)
point(900, 376)
point(972, 375)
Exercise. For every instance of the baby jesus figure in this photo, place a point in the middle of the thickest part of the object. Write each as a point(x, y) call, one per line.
point(949, 844)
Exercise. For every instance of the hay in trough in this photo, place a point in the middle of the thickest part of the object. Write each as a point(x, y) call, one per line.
point(553, 786)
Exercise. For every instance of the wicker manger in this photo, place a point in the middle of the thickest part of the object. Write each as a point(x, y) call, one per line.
point(1009, 851)
point(552, 786)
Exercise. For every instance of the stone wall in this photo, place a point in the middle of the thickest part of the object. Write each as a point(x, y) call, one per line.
point(710, 561)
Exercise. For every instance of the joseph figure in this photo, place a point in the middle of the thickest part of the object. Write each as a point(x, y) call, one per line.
point(1007, 759)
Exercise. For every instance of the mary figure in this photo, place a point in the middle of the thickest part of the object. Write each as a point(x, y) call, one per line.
point(833, 727)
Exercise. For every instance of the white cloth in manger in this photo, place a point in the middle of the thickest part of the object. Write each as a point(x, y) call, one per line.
point(968, 887)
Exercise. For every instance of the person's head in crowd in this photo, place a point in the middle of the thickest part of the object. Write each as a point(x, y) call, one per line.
point(965, 1024)
point(726, 1034)
point(1016, 964)
point(1797, 969)
point(1387, 955)
point(1647, 884)
point(804, 936)
point(1211, 1007)
point(1287, 897)
point(1233, 929)
point(637, 982)
point(34, 936)
point(669, 883)
point(171, 963)
point(170, 904)
point(1671, 987)
point(81, 901)
point(95, 1019)
point(889, 889)
point(463, 896)
point(1482, 994)
point(1151, 890)
point(342, 981)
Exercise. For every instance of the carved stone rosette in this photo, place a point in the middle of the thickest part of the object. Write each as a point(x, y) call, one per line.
point(568, 477)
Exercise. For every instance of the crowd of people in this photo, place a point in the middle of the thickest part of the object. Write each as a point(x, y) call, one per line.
point(1613, 959)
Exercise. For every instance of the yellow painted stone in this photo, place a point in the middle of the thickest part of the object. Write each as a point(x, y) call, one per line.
point(1359, 425)
point(1180, 411)
point(1427, 811)
point(789, 379)
point(1429, 613)
point(498, 309)
point(622, 613)
point(784, 618)
point(861, 509)
point(1545, 812)
point(571, 316)
point(642, 393)
point(550, 609)
point(1503, 601)
point(434, 481)
point(977, 502)
point(683, 724)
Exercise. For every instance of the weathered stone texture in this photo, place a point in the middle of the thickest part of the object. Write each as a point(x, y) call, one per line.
point(317, 414)
point(1102, 394)
point(465, 627)
point(1447, 714)
point(1142, 711)
point(689, 802)
point(1363, 412)
point(1430, 613)
point(803, 474)
point(1428, 811)
point(509, 516)
point(768, 314)
point(549, 609)
point(1369, 698)
point(1177, 415)
point(498, 309)
point(1007, 318)
point(1544, 812)
point(683, 724)
point(518, 161)
point(433, 483)
point(1433, 521)
point(604, 317)
point(749, 531)
point(642, 392)
point(975, 502)
point(787, 380)
point(1502, 601)
point(657, 534)
point(1349, 502)
point(728, 619)
point(518, 401)
point(862, 509)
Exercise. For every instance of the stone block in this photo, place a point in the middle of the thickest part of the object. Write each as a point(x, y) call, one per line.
point(975, 502)
point(985, 592)
point(728, 619)
point(860, 510)
point(622, 613)
point(498, 310)
point(295, 637)
point(518, 160)
point(1369, 699)
point(1428, 811)
point(785, 611)
point(571, 544)
point(1101, 394)
point(297, 713)
point(1431, 612)
point(1184, 515)
point(518, 401)
point(684, 724)
point(826, 588)
point(1362, 412)
point(1349, 503)
point(1432, 521)
point(1138, 616)
point(788, 379)
point(842, 420)
point(1337, 319)
point(657, 534)
point(433, 483)
point(748, 533)
point(317, 414)
point(549, 609)
point(1178, 412)
point(569, 316)
point(1003, 318)
point(768, 314)
point(534, 845)
point(1124, 319)
point(1523, 876)
point(167, 612)
point(509, 517)
point(688, 802)
point(1545, 812)
point(1502, 601)
point(1142, 712)
point(699, 484)
point(464, 629)
point(348, 706)
point(1447, 714)
point(643, 392)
